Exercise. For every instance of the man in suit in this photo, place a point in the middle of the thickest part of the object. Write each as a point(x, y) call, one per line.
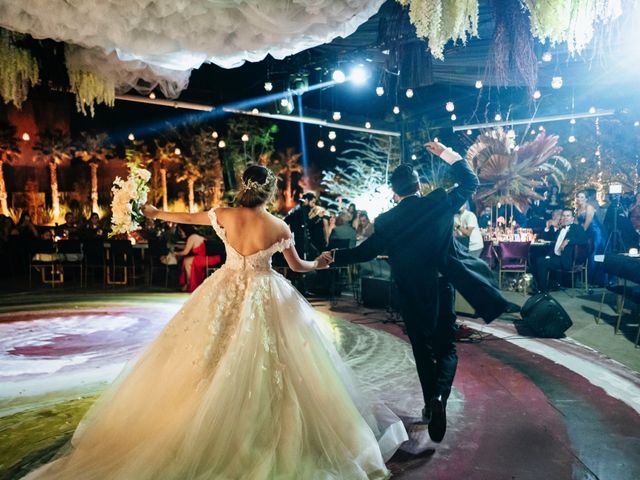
point(570, 234)
point(417, 236)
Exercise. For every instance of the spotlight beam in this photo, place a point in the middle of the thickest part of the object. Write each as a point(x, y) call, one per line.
point(313, 121)
point(548, 118)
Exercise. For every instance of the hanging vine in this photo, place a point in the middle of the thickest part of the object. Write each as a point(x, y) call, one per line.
point(443, 20)
point(90, 88)
point(18, 69)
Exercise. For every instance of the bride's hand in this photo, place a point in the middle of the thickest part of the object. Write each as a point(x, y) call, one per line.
point(150, 211)
point(322, 262)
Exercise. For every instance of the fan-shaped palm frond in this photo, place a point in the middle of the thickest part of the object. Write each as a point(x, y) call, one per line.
point(511, 174)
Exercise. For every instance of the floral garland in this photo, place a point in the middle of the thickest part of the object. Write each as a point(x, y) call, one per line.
point(90, 89)
point(570, 21)
point(18, 70)
point(443, 20)
point(128, 198)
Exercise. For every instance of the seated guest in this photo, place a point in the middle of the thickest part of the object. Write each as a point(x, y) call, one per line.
point(484, 221)
point(343, 231)
point(25, 228)
point(364, 227)
point(93, 228)
point(466, 229)
point(69, 229)
point(552, 228)
point(193, 270)
point(562, 257)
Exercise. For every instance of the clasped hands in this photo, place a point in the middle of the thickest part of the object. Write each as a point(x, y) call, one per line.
point(324, 259)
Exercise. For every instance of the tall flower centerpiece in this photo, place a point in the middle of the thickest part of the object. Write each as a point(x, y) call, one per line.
point(128, 198)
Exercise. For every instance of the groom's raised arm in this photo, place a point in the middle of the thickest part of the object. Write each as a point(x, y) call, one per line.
point(367, 250)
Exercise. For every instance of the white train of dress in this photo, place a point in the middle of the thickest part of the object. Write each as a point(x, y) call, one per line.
point(243, 383)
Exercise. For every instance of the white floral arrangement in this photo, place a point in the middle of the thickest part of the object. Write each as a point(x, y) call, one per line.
point(128, 198)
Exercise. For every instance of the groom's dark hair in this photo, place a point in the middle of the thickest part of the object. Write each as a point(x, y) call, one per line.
point(405, 181)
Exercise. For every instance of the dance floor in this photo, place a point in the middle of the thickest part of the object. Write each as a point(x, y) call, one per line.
point(520, 409)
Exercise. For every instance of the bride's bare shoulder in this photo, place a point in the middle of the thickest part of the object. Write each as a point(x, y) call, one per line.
point(283, 229)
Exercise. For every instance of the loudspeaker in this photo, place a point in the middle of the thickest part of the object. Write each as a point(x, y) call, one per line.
point(545, 317)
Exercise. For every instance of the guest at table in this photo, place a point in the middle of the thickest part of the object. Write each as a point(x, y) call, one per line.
point(466, 229)
point(344, 232)
point(634, 213)
point(93, 228)
point(562, 257)
point(25, 228)
point(195, 260)
point(552, 227)
point(69, 229)
point(364, 227)
point(586, 216)
point(484, 220)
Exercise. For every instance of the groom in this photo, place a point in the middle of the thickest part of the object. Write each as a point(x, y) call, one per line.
point(417, 236)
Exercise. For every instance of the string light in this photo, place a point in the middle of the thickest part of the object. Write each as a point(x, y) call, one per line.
point(541, 128)
point(478, 83)
point(268, 86)
point(469, 132)
point(449, 106)
point(583, 160)
point(409, 93)
point(533, 132)
point(131, 137)
point(222, 144)
point(636, 123)
point(546, 57)
point(177, 151)
point(592, 109)
point(572, 121)
point(537, 94)
point(284, 102)
point(214, 134)
point(332, 148)
point(396, 110)
point(379, 91)
point(453, 117)
point(255, 111)
point(498, 117)
point(571, 139)
point(332, 135)
point(367, 125)
point(414, 157)
point(245, 137)
point(320, 144)
point(556, 83)
point(152, 96)
point(336, 116)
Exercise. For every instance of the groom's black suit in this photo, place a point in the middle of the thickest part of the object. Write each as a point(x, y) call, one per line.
point(417, 235)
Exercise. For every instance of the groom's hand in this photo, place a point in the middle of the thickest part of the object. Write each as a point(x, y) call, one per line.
point(327, 256)
point(435, 147)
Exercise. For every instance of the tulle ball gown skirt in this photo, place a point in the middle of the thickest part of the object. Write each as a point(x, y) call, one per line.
point(243, 383)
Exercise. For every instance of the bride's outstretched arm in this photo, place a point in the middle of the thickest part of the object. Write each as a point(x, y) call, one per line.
point(298, 265)
point(200, 218)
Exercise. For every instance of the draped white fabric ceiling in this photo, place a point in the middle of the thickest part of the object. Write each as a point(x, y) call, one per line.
point(161, 41)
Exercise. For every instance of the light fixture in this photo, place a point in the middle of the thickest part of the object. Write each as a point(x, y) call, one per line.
point(597, 151)
point(336, 116)
point(572, 121)
point(26, 137)
point(498, 117)
point(583, 160)
point(332, 135)
point(537, 94)
point(332, 148)
point(338, 76)
point(435, 139)
point(152, 96)
point(177, 151)
point(320, 144)
point(245, 137)
point(284, 102)
point(546, 57)
point(131, 137)
point(268, 86)
point(414, 157)
point(409, 93)
point(556, 82)
point(571, 139)
point(214, 134)
point(469, 132)
point(592, 109)
point(449, 106)
point(396, 110)
point(222, 144)
point(636, 123)
point(453, 117)
point(541, 128)
point(367, 125)
point(379, 91)
point(478, 83)
point(255, 111)
point(358, 75)
point(533, 132)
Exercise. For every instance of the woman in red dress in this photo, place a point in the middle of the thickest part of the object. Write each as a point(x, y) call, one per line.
point(194, 264)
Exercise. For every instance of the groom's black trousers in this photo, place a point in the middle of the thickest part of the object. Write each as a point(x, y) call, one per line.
point(433, 342)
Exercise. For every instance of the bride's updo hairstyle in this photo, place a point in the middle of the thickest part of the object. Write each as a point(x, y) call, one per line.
point(258, 186)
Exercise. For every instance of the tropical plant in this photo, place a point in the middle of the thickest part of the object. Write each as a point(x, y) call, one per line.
point(18, 69)
point(94, 149)
point(288, 163)
point(53, 148)
point(166, 154)
point(510, 174)
point(9, 151)
point(189, 172)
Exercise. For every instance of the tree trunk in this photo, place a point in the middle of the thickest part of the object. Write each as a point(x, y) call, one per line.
point(288, 194)
point(192, 197)
point(163, 180)
point(218, 183)
point(55, 196)
point(4, 207)
point(94, 187)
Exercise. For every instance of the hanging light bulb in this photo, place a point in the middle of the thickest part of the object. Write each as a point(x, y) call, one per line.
point(636, 123)
point(498, 117)
point(409, 93)
point(414, 157)
point(379, 91)
point(572, 121)
point(583, 160)
point(478, 83)
point(332, 135)
point(396, 110)
point(571, 139)
point(533, 132)
point(536, 95)
point(152, 96)
point(320, 144)
point(541, 128)
point(222, 144)
point(592, 109)
point(255, 111)
point(449, 106)
point(338, 76)
point(332, 148)
point(556, 82)
point(131, 137)
point(336, 116)
point(367, 125)
point(268, 86)
point(214, 134)
point(435, 139)
point(453, 117)
point(469, 132)
point(546, 57)
point(177, 151)
point(245, 137)
point(26, 137)
point(284, 102)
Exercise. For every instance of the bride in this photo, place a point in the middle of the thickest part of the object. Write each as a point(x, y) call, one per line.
point(242, 383)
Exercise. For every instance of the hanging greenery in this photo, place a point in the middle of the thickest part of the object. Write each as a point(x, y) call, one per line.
point(90, 88)
point(570, 21)
point(18, 69)
point(443, 20)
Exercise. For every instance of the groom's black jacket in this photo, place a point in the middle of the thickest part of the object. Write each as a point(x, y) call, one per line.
point(417, 235)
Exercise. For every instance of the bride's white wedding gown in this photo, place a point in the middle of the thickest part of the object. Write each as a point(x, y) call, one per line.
point(243, 383)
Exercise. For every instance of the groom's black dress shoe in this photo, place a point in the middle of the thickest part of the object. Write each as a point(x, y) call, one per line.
point(438, 423)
